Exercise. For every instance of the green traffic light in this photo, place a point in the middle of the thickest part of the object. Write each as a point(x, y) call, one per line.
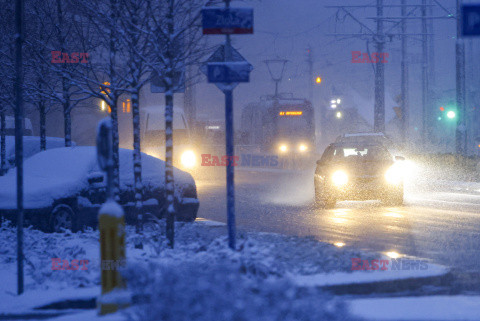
point(451, 114)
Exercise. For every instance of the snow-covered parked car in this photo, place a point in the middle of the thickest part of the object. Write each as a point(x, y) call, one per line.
point(64, 188)
point(31, 146)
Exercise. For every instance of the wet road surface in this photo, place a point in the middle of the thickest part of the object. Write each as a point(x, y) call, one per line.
point(435, 224)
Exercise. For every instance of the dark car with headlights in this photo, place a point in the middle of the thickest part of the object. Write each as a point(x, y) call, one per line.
point(352, 171)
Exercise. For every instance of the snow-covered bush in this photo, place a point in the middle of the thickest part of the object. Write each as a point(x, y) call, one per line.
point(39, 250)
point(206, 292)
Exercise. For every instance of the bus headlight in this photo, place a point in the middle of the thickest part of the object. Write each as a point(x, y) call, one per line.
point(394, 175)
point(283, 148)
point(302, 148)
point(188, 159)
point(339, 178)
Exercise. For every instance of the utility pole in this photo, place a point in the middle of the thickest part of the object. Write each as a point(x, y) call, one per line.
point(404, 76)
point(461, 130)
point(379, 109)
point(310, 73)
point(19, 34)
point(189, 97)
point(425, 103)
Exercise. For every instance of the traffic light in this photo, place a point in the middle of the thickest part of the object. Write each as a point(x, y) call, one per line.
point(448, 113)
point(451, 114)
point(318, 80)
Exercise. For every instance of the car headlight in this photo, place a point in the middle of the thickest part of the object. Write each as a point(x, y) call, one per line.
point(339, 178)
point(302, 148)
point(188, 159)
point(394, 175)
point(283, 148)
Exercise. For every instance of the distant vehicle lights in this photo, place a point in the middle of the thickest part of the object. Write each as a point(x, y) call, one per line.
point(335, 102)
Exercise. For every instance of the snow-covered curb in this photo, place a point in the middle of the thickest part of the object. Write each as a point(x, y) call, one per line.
point(431, 308)
point(357, 277)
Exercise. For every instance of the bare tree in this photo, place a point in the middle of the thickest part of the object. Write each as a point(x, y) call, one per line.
point(7, 72)
point(135, 26)
point(96, 27)
point(175, 42)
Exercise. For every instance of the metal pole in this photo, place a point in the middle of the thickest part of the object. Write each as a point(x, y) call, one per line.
point(230, 171)
point(230, 150)
point(310, 73)
point(425, 114)
point(404, 76)
point(461, 130)
point(19, 5)
point(379, 110)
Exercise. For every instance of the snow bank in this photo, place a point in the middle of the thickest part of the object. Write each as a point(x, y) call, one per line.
point(429, 308)
point(206, 292)
point(201, 279)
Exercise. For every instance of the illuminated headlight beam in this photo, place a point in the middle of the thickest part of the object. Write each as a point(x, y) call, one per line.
point(394, 175)
point(339, 178)
point(188, 159)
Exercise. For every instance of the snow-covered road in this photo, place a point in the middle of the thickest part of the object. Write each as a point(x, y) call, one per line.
point(442, 224)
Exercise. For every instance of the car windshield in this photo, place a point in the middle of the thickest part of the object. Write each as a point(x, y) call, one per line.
point(361, 153)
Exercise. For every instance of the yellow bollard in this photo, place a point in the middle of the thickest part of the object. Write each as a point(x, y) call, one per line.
point(111, 224)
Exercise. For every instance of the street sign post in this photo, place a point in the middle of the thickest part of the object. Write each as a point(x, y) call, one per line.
point(226, 68)
point(227, 21)
point(471, 20)
point(219, 57)
point(228, 72)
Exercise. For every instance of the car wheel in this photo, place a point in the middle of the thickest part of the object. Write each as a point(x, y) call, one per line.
point(330, 203)
point(187, 215)
point(62, 218)
point(324, 202)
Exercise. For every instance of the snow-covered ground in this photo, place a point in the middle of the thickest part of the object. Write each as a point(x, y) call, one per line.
point(269, 276)
point(457, 307)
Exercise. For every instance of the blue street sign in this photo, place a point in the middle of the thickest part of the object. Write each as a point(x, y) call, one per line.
point(228, 72)
point(227, 21)
point(471, 20)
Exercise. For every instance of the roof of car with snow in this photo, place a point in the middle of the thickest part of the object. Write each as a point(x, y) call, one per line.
point(61, 172)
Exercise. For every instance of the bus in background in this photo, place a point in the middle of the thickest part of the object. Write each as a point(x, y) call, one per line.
point(284, 126)
point(153, 137)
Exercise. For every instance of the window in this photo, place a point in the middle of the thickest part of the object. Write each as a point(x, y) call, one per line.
point(126, 106)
